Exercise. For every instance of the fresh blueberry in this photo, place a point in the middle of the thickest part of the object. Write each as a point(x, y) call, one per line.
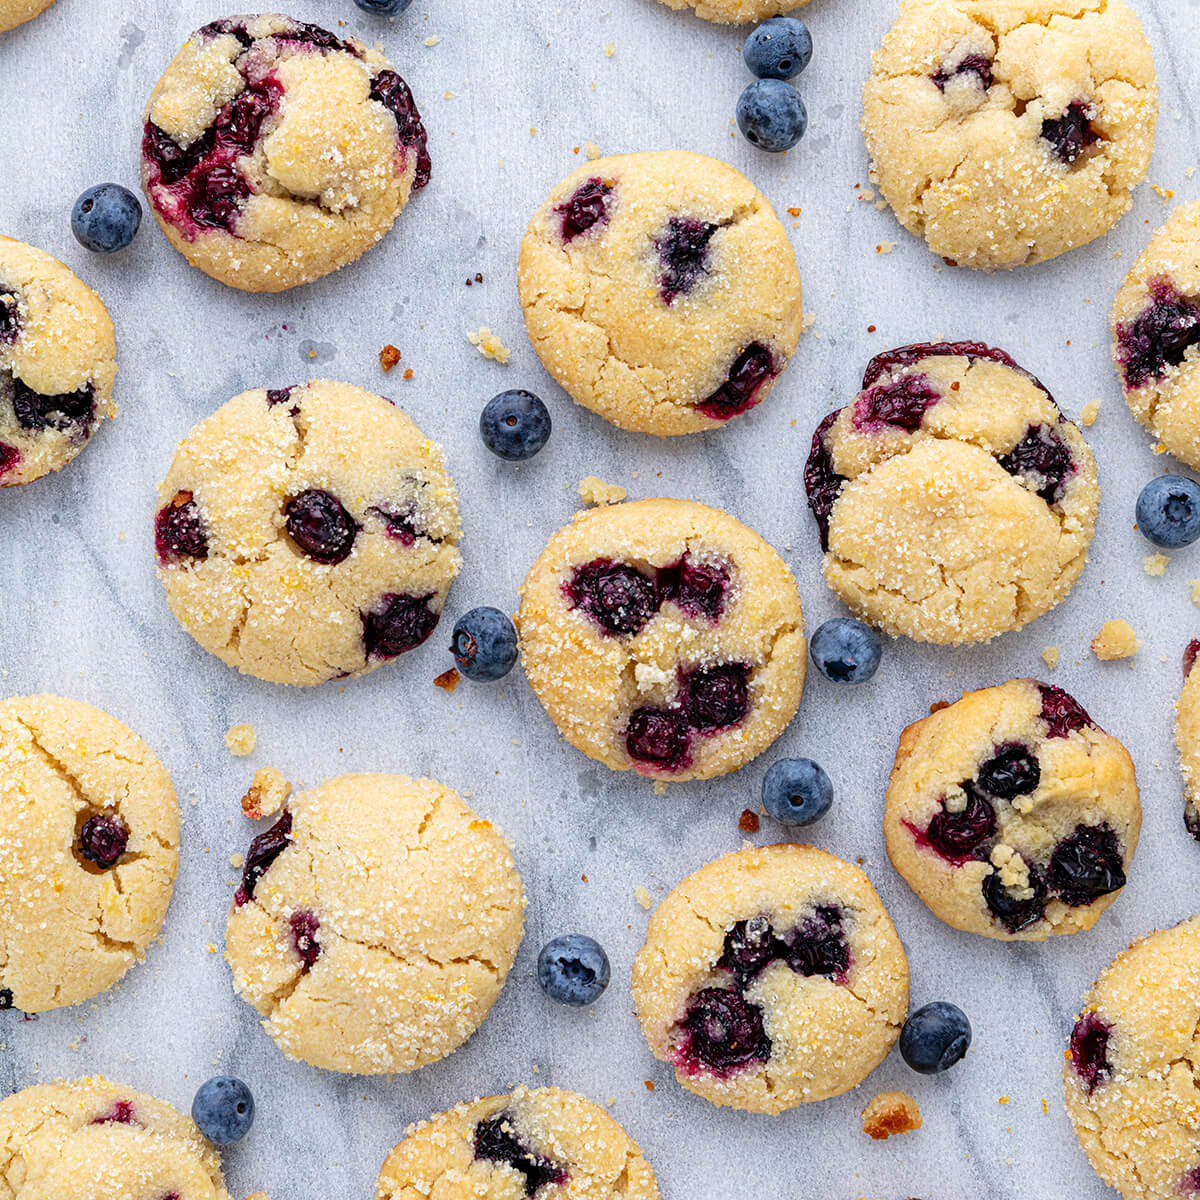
point(105, 218)
point(484, 644)
point(1168, 511)
point(383, 8)
point(771, 115)
point(846, 650)
point(796, 791)
point(778, 49)
point(573, 969)
point(224, 1110)
point(935, 1037)
point(515, 425)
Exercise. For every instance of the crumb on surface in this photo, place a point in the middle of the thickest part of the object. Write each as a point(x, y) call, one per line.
point(389, 356)
point(748, 822)
point(806, 321)
point(889, 1113)
point(642, 896)
point(1050, 656)
point(885, 247)
point(1090, 411)
point(593, 490)
point(1155, 564)
point(266, 794)
point(241, 740)
point(1116, 639)
point(448, 680)
point(489, 345)
point(237, 861)
point(592, 151)
point(1194, 584)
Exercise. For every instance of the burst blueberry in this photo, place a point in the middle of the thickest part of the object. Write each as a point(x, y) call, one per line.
point(223, 1110)
point(573, 969)
point(771, 115)
point(105, 218)
point(846, 650)
point(515, 425)
point(484, 644)
point(1168, 511)
point(778, 49)
point(935, 1037)
point(796, 791)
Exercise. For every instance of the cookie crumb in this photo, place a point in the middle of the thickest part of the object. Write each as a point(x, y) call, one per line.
point(489, 345)
point(237, 861)
point(241, 740)
point(389, 356)
point(1050, 656)
point(642, 897)
point(610, 49)
point(1116, 639)
point(266, 794)
point(408, 372)
point(1155, 564)
point(806, 321)
point(660, 787)
point(447, 680)
point(794, 212)
point(649, 1085)
point(748, 822)
point(1089, 412)
point(432, 40)
point(1194, 584)
point(593, 491)
point(889, 1113)
point(885, 247)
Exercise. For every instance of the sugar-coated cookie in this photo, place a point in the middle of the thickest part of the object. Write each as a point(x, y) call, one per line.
point(89, 844)
point(1131, 1092)
point(737, 12)
point(770, 978)
point(1012, 814)
point(307, 533)
point(17, 12)
point(953, 499)
point(661, 291)
point(540, 1142)
point(375, 923)
point(274, 151)
point(58, 360)
point(1187, 738)
point(665, 637)
point(1006, 132)
point(1156, 335)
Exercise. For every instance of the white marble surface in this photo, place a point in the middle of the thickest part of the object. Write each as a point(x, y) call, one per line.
point(507, 94)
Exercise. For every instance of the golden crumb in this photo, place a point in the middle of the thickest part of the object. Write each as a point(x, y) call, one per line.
point(1089, 412)
point(489, 345)
point(885, 247)
point(593, 491)
point(1050, 655)
point(806, 321)
point(447, 680)
point(241, 740)
point(592, 151)
point(748, 822)
point(408, 373)
point(642, 897)
point(1194, 584)
point(1115, 640)
point(237, 861)
point(610, 49)
point(432, 40)
point(1155, 564)
point(389, 356)
point(266, 794)
point(889, 1113)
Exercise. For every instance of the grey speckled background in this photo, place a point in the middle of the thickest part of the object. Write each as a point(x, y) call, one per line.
point(82, 613)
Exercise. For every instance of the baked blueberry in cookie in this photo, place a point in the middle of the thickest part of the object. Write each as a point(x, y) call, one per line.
point(663, 636)
point(1129, 1088)
point(771, 977)
point(541, 1143)
point(274, 151)
point(1012, 814)
point(1005, 137)
point(952, 498)
point(307, 533)
point(661, 291)
point(57, 364)
point(1155, 325)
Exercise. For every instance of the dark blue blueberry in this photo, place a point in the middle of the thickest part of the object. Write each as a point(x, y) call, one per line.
point(778, 49)
point(573, 969)
point(935, 1037)
point(484, 644)
point(321, 527)
point(383, 8)
point(1168, 511)
point(771, 115)
point(224, 1110)
point(846, 650)
point(796, 791)
point(105, 218)
point(514, 425)
point(103, 840)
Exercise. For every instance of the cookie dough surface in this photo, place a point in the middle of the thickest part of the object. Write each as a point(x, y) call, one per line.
point(1156, 335)
point(1187, 739)
point(307, 533)
point(89, 1139)
point(17, 12)
point(58, 361)
point(375, 925)
point(1130, 1087)
point(661, 291)
point(1006, 132)
point(1012, 814)
point(88, 851)
point(542, 1141)
point(274, 152)
point(770, 978)
point(663, 636)
point(736, 12)
point(953, 499)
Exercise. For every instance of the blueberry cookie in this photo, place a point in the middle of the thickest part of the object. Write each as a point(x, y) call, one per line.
point(1187, 738)
point(770, 978)
point(661, 291)
point(89, 1139)
point(88, 853)
point(1131, 1091)
point(665, 637)
point(307, 533)
point(275, 152)
point(375, 924)
point(58, 360)
point(1012, 814)
point(737, 12)
point(542, 1142)
point(954, 501)
point(17, 12)
point(1006, 133)
point(1156, 335)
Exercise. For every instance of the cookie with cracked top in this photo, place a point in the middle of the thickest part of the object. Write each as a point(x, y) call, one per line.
point(736, 12)
point(661, 291)
point(17, 12)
